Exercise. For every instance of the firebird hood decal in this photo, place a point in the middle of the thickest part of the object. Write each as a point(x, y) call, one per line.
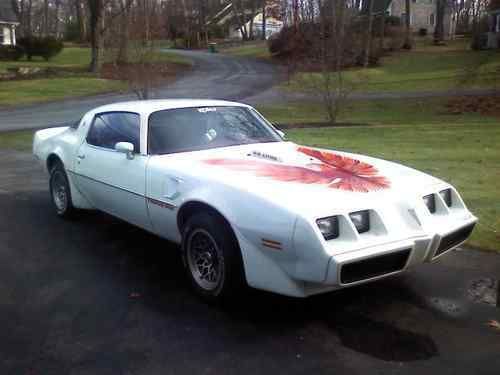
point(326, 168)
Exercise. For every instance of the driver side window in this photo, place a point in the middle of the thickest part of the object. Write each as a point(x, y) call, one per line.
point(112, 127)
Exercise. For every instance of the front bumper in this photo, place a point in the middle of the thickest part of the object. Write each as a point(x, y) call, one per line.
point(373, 263)
point(279, 271)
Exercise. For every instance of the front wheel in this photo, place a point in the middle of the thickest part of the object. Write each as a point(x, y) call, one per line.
point(60, 192)
point(212, 257)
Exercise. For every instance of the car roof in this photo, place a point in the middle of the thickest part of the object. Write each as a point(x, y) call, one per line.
point(146, 107)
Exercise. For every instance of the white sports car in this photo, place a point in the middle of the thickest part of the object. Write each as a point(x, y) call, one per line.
point(248, 206)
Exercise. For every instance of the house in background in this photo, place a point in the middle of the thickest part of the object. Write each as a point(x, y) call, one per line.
point(227, 19)
point(423, 16)
point(8, 24)
point(494, 29)
point(272, 26)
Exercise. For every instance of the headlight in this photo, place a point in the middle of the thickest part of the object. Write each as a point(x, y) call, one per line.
point(329, 227)
point(361, 220)
point(430, 202)
point(446, 195)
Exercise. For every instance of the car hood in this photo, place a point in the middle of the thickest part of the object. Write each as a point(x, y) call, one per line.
point(303, 178)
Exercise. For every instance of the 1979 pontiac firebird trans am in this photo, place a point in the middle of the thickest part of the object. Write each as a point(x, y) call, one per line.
point(247, 206)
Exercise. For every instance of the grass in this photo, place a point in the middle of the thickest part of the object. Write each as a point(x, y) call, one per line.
point(71, 57)
point(460, 149)
point(17, 140)
point(425, 68)
point(76, 83)
point(173, 58)
point(256, 50)
point(40, 90)
point(400, 112)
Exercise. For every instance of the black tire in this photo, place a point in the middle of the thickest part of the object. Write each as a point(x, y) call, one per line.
point(59, 180)
point(212, 228)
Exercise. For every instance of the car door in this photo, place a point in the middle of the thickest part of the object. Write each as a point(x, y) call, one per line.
point(113, 181)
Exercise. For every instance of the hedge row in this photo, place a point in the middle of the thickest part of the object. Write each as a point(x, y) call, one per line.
point(46, 48)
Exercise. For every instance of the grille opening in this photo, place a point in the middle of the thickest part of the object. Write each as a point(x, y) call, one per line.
point(453, 239)
point(373, 267)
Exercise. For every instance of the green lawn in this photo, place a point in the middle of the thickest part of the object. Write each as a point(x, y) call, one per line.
point(72, 57)
point(173, 58)
point(401, 112)
point(257, 49)
point(19, 140)
point(460, 149)
point(424, 68)
point(40, 90)
point(71, 84)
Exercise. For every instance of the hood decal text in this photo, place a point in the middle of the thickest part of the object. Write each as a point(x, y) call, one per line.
point(326, 168)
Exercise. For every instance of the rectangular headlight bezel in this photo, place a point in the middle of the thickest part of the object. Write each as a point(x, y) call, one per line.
point(333, 222)
point(446, 196)
point(361, 220)
point(430, 202)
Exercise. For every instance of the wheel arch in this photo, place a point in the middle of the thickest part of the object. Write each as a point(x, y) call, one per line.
point(77, 199)
point(52, 159)
point(192, 207)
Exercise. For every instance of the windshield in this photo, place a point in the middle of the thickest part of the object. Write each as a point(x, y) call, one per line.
point(200, 128)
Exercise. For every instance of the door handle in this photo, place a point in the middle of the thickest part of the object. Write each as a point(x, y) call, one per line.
point(81, 157)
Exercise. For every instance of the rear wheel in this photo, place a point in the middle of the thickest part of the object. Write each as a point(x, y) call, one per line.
point(212, 257)
point(60, 191)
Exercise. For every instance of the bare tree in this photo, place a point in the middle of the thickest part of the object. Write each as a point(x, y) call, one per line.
point(329, 83)
point(439, 28)
point(96, 21)
point(81, 19)
point(264, 15)
point(369, 34)
point(407, 43)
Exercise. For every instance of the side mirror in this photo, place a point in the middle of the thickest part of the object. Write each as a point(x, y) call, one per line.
point(126, 148)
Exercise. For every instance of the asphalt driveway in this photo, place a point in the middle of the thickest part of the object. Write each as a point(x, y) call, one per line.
point(97, 296)
point(214, 76)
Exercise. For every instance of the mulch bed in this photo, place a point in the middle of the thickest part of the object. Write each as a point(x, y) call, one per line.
point(160, 73)
point(484, 105)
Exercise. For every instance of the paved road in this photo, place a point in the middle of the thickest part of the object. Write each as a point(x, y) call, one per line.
point(97, 296)
point(213, 76)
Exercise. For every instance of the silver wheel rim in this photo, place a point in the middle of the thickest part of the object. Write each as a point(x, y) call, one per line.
point(59, 192)
point(204, 260)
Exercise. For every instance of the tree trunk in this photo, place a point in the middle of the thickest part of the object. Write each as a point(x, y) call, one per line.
point(122, 56)
point(81, 20)
point(96, 41)
point(382, 32)
point(263, 20)
point(56, 19)
point(439, 29)
point(146, 21)
point(369, 36)
point(28, 28)
point(240, 19)
point(407, 43)
point(252, 17)
point(187, 24)
point(45, 21)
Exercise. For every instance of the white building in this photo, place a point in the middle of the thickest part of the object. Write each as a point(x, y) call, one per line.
point(227, 18)
point(272, 26)
point(423, 16)
point(8, 24)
